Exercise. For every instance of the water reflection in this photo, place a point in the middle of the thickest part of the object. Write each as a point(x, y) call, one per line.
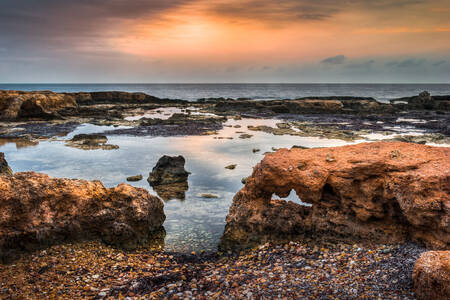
point(195, 223)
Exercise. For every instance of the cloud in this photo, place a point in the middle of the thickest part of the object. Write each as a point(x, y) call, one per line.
point(334, 60)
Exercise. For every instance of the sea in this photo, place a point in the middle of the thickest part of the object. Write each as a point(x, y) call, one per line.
point(192, 92)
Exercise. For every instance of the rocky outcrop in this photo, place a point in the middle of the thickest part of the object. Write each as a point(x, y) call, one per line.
point(38, 211)
point(116, 97)
point(432, 275)
point(91, 142)
point(169, 178)
point(4, 167)
point(39, 105)
point(311, 105)
point(385, 192)
point(423, 101)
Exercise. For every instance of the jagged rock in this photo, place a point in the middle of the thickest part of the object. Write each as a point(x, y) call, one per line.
point(91, 142)
point(383, 192)
point(40, 105)
point(4, 167)
point(168, 170)
point(38, 211)
point(431, 275)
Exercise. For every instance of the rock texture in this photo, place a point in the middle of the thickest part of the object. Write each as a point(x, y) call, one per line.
point(37, 211)
point(432, 275)
point(40, 105)
point(383, 192)
point(91, 142)
point(169, 179)
point(4, 167)
point(168, 170)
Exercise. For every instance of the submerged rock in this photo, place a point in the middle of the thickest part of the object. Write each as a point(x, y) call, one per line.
point(384, 192)
point(38, 211)
point(231, 167)
point(208, 195)
point(432, 275)
point(4, 167)
point(90, 142)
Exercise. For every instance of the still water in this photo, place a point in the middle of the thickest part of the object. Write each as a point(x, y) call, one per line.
point(192, 224)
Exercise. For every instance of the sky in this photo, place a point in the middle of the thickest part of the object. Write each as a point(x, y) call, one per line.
point(206, 41)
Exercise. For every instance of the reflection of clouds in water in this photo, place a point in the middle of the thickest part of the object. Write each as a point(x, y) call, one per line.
point(195, 223)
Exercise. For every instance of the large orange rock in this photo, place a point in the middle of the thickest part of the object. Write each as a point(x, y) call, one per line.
point(432, 275)
point(385, 192)
point(42, 105)
point(36, 211)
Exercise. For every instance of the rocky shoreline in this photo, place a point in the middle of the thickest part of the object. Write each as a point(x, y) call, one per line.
point(41, 115)
point(367, 211)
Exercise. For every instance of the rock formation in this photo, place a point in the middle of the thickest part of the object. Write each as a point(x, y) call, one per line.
point(432, 275)
point(4, 167)
point(91, 142)
point(168, 170)
point(383, 192)
point(40, 105)
point(169, 178)
point(37, 211)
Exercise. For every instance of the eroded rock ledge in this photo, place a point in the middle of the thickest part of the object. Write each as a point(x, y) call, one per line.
point(38, 211)
point(384, 192)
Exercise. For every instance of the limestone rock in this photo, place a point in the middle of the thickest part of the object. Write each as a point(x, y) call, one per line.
point(39, 105)
point(37, 211)
point(432, 275)
point(384, 192)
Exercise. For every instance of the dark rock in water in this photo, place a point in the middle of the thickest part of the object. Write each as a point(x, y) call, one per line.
point(231, 167)
point(168, 170)
point(4, 167)
point(135, 178)
point(39, 211)
point(172, 191)
point(91, 142)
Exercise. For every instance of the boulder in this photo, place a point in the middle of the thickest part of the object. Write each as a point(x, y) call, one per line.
point(384, 192)
point(4, 167)
point(168, 170)
point(431, 275)
point(38, 211)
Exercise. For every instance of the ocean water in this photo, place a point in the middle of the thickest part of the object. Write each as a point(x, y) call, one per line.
point(192, 92)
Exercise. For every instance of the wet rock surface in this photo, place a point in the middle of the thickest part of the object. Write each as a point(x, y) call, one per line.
point(37, 211)
point(385, 192)
point(169, 179)
point(168, 170)
point(294, 270)
point(432, 275)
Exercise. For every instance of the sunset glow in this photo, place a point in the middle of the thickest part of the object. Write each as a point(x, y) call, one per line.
point(228, 40)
